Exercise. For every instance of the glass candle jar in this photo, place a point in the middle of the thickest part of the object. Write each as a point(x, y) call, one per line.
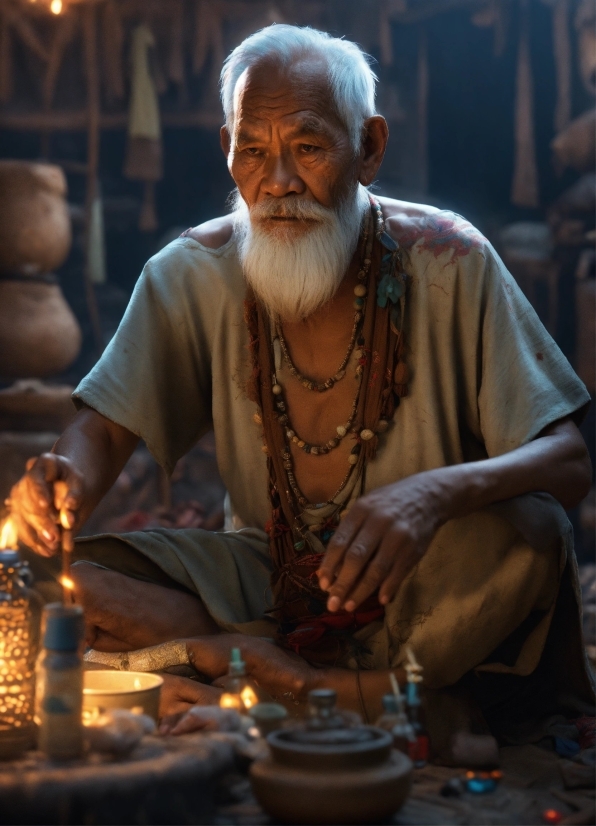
point(19, 633)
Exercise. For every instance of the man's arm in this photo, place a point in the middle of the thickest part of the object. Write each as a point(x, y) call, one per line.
point(71, 480)
point(387, 531)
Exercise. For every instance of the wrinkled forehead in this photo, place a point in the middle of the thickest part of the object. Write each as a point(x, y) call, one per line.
point(269, 91)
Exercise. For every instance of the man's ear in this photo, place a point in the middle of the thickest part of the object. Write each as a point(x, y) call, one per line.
point(225, 140)
point(374, 142)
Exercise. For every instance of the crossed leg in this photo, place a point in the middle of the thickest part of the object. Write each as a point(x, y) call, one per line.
point(124, 614)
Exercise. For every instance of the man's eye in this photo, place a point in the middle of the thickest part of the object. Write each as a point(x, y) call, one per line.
point(308, 148)
point(252, 150)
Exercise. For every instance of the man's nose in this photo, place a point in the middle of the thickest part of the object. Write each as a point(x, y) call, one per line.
point(281, 177)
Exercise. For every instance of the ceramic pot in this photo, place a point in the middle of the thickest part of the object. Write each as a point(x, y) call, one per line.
point(39, 335)
point(327, 772)
point(35, 234)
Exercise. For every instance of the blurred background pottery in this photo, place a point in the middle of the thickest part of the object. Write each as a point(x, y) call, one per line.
point(39, 335)
point(35, 234)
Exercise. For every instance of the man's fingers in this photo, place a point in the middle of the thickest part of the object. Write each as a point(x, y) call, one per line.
point(167, 723)
point(375, 573)
point(338, 545)
point(188, 723)
point(68, 493)
point(44, 527)
point(29, 538)
point(400, 570)
point(42, 476)
point(355, 559)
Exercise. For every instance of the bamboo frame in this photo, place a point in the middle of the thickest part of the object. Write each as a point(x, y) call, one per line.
point(90, 51)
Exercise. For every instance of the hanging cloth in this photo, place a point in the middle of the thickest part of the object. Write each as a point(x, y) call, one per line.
point(97, 244)
point(524, 190)
point(562, 52)
point(144, 148)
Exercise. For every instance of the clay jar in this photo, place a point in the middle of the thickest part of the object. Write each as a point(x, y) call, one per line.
point(39, 335)
point(330, 772)
point(35, 234)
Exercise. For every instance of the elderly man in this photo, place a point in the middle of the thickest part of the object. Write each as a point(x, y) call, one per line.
point(394, 426)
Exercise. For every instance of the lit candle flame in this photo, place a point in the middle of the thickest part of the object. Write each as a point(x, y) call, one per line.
point(137, 684)
point(56, 6)
point(64, 520)
point(8, 535)
point(248, 697)
point(230, 701)
point(66, 582)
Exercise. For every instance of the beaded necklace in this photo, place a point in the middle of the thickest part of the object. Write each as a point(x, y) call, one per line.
point(341, 430)
point(365, 434)
point(360, 291)
point(298, 530)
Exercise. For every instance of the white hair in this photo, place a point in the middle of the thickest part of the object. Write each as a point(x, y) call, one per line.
point(351, 78)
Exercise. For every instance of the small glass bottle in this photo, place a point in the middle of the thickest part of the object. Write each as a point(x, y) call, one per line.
point(420, 748)
point(390, 715)
point(59, 695)
point(394, 720)
point(239, 691)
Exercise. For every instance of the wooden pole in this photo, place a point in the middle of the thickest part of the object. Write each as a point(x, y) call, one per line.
point(93, 112)
point(423, 108)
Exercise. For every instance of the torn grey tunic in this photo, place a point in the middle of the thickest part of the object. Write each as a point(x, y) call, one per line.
point(486, 379)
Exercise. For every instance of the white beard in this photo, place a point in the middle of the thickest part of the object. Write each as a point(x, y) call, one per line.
point(295, 270)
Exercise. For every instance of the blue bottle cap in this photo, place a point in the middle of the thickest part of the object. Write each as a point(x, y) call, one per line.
point(63, 626)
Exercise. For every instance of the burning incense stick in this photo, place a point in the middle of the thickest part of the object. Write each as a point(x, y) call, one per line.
point(394, 686)
point(67, 549)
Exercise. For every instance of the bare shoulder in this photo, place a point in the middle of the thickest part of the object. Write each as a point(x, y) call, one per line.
point(212, 234)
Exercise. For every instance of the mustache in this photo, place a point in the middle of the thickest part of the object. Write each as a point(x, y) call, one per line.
point(290, 206)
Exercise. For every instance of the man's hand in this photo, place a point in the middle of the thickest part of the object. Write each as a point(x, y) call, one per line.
point(47, 496)
point(384, 535)
point(53, 490)
point(200, 718)
point(282, 675)
point(178, 694)
point(388, 531)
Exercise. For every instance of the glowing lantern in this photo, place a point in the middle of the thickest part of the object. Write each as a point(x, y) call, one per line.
point(18, 642)
point(56, 6)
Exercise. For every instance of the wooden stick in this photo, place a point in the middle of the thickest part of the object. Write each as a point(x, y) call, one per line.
point(67, 549)
point(93, 112)
point(113, 39)
point(65, 28)
point(26, 31)
point(78, 121)
point(5, 60)
point(423, 108)
point(562, 50)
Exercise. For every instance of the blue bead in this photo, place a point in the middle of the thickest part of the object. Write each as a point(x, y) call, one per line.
point(388, 242)
point(481, 785)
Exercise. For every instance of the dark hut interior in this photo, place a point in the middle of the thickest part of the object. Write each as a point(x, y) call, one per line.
point(490, 106)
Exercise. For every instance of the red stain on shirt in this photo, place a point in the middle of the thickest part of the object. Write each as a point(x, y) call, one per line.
point(440, 233)
point(539, 356)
